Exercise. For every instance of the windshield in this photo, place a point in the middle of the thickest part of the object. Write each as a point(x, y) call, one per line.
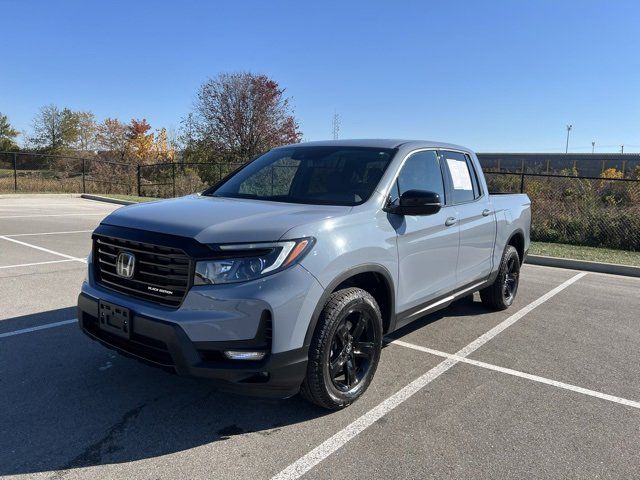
point(315, 175)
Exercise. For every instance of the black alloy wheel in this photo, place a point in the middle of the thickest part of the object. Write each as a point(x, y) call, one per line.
point(345, 349)
point(511, 279)
point(352, 350)
point(502, 292)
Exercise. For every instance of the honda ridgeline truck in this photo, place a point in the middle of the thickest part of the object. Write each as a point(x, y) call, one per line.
point(285, 276)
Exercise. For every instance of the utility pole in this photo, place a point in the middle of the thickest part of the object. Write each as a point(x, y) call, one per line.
point(569, 127)
point(593, 147)
point(336, 126)
point(621, 148)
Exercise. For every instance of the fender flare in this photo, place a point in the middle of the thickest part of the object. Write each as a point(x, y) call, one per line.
point(517, 231)
point(494, 273)
point(362, 268)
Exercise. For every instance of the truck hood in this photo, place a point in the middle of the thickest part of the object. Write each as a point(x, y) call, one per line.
point(221, 220)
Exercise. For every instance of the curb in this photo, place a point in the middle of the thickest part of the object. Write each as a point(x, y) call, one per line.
point(39, 195)
point(611, 268)
point(99, 198)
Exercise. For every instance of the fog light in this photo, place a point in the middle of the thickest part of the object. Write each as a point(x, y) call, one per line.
point(244, 355)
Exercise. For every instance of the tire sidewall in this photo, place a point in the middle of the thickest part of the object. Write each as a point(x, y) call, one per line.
point(362, 304)
point(510, 252)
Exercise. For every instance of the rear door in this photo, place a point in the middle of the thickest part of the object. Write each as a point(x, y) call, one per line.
point(475, 217)
point(427, 244)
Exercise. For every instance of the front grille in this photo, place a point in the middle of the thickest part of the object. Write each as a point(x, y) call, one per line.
point(161, 274)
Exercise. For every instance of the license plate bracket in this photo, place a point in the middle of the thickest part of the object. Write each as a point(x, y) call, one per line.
point(115, 319)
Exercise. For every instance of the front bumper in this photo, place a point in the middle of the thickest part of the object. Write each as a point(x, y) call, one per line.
point(166, 345)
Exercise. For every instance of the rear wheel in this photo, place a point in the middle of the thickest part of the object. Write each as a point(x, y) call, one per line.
point(345, 349)
point(502, 292)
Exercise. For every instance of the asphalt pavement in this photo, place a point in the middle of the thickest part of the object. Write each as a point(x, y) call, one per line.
point(546, 389)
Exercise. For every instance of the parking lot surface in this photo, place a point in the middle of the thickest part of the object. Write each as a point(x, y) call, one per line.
point(548, 388)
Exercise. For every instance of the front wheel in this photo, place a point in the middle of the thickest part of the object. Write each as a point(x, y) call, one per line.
point(501, 293)
point(345, 349)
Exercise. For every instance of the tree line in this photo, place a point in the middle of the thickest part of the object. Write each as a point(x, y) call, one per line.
point(235, 117)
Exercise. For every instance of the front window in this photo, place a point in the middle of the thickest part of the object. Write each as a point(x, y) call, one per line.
point(314, 175)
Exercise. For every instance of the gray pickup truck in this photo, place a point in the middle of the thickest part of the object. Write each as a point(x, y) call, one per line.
point(285, 276)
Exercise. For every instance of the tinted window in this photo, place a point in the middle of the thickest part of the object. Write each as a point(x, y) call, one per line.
point(463, 180)
point(477, 191)
point(316, 175)
point(421, 171)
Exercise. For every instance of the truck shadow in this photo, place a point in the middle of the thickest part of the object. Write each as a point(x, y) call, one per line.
point(464, 307)
point(69, 403)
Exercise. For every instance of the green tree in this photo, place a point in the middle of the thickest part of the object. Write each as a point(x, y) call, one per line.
point(8, 135)
point(87, 131)
point(55, 130)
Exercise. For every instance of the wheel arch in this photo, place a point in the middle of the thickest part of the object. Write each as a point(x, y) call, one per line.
point(373, 278)
point(516, 240)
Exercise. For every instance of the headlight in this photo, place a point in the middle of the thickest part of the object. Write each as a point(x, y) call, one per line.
point(86, 270)
point(241, 263)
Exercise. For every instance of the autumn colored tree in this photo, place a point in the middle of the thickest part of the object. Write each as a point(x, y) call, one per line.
point(240, 115)
point(8, 135)
point(112, 136)
point(164, 148)
point(141, 142)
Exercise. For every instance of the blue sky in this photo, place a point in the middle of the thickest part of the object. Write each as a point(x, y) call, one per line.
point(492, 75)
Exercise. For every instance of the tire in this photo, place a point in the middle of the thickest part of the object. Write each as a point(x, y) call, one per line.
point(501, 293)
point(345, 349)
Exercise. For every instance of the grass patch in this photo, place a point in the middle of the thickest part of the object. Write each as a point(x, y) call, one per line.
point(130, 198)
point(593, 254)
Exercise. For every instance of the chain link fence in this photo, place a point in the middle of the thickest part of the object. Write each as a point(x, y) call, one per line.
point(165, 180)
point(566, 208)
point(32, 172)
point(592, 211)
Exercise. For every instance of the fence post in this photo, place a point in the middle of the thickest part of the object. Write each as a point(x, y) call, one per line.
point(138, 177)
point(522, 182)
point(15, 172)
point(173, 167)
point(84, 189)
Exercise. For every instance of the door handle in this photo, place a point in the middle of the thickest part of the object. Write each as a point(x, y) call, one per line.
point(450, 221)
point(486, 212)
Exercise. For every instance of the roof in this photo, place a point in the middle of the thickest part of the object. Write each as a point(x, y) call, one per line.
point(378, 143)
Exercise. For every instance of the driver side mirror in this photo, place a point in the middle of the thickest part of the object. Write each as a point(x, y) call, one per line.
point(416, 202)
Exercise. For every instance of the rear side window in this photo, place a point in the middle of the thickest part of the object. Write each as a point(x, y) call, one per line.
point(464, 181)
point(421, 171)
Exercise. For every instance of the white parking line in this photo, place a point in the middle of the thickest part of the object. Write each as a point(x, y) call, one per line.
point(333, 443)
point(64, 255)
point(46, 233)
point(39, 327)
point(517, 373)
point(104, 214)
point(34, 264)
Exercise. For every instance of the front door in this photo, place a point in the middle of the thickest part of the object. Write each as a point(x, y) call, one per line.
point(427, 244)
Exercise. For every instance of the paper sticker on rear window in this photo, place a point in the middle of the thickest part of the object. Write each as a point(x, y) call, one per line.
point(459, 174)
